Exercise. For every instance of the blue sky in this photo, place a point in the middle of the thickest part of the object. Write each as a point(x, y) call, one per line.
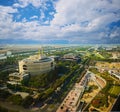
point(59, 21)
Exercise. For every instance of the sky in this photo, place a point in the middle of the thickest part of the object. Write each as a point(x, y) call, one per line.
point(59, 21)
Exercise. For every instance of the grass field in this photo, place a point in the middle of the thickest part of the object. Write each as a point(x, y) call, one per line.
point(113, 65)
point(115, 90)
point(99, 55)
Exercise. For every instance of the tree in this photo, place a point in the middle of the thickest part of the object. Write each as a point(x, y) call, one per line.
point(4, 94)
point(3, 109)
point(27, 101)
point(15, 99)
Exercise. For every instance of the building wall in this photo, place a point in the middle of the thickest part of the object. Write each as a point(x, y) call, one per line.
point(35, 68)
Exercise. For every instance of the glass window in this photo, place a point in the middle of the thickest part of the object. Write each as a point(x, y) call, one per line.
point(24, 67)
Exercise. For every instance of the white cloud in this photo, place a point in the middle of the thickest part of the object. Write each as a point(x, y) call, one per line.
point(35, 3)
point(74, 21)
point(6, 18)
point(77, 11)
point(6, 14)
point(51, 13)
point(7, 9)
point(16, 5)
point(24, 20)
point(115, 33)
point(42, 15)
point(102, 21)
point(34, 17)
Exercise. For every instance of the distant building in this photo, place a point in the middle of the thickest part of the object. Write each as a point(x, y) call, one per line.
point(8, 53)
point(71, 57)
point(109, 48)
point(116, 74)
point(56, 58)
point(4, 54)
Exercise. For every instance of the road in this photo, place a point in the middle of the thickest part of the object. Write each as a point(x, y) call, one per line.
point(8, 67)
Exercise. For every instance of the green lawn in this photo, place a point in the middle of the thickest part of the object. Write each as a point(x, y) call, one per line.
point(115, 90)
point(99, 55)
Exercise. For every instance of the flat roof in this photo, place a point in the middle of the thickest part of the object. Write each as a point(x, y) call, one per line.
point(37, 60)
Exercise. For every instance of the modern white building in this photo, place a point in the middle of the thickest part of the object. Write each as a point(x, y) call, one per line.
point(35, 65)
point(4, 54)
point(16, 78)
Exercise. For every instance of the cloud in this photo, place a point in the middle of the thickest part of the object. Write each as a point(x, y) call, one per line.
point(115, 33)
point(76, 11)
point(51, 13)
point(7, 9)
point(35, 3)
point(34, 17)
point(42, 15)
point(6, 18)
point(74, 21)
point(85, 19)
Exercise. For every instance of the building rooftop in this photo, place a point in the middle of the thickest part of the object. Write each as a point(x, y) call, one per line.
point(72, 100)
point(37, 59)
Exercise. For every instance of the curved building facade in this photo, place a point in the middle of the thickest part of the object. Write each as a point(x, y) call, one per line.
point(36, 65)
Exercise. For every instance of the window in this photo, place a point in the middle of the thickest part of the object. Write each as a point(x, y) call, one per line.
point(52, 64)
point(24, 67)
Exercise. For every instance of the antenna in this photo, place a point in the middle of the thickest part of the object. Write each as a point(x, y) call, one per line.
point(42, 52)
point(39, 53)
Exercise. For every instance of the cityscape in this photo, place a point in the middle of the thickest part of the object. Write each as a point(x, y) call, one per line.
point(60, 78)
point(59, 55)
